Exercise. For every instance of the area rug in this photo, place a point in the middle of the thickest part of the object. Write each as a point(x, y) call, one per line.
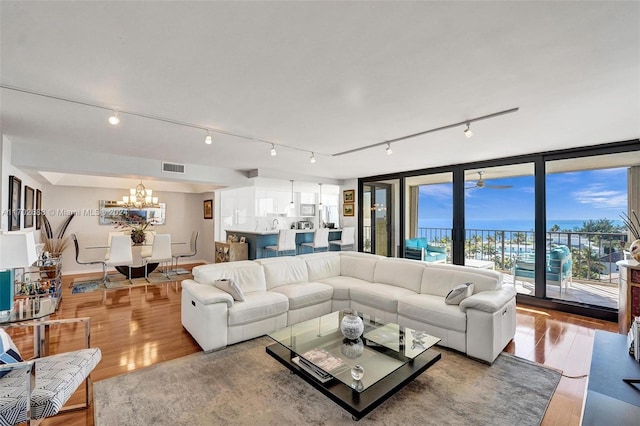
point(86, 286)
point(243, 385)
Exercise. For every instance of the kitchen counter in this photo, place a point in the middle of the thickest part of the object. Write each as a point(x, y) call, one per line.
point(257, 240)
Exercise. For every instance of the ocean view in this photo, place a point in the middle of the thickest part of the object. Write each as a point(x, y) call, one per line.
point(507, 224)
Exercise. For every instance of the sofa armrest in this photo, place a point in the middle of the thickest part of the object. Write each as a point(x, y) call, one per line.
point(207, 294)
point(489, 301)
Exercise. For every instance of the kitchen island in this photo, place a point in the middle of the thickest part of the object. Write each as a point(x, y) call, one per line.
point(258, 240)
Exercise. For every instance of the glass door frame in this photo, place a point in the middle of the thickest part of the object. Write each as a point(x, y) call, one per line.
point(390, 216)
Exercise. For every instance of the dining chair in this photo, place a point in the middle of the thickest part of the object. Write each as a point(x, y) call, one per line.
point(347, 239)
point(109, 237)
point(120, 253)
point(286, 242)
point(320, 241)
point(160, 253)
point(74, 236)
point(193, 250)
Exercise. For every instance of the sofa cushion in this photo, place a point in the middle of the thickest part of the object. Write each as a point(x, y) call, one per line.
point(257, 306)
point(437, 248)
point(381, 296)
point(342, 285)
point(248, 274)
point(284, 270)
point(361, 267)
point(432, 310)
point(305, 294)
point(458, 294)
point(400, 273)
point(438, 279)
point(229, 286)
point(322, 265)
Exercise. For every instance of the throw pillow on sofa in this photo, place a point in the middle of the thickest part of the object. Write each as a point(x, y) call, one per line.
point(458, 294)
point(9, 353)
point(230, 286)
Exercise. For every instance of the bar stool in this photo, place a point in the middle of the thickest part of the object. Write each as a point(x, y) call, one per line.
point(286, 242)
point(347, 240)
point(320, 240)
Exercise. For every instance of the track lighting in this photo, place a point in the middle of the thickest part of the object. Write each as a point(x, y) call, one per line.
point(208, 140)
point(389, 150)
point(114, 119)
point(273, 150)
point(312, 159)
point(468, 133)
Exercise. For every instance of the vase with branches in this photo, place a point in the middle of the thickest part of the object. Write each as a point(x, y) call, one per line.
point(54, 244)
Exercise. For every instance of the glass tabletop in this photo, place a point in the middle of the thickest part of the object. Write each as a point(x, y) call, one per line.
point(382, 349)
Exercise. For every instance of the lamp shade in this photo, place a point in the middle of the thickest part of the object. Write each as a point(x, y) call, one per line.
point(17, 250)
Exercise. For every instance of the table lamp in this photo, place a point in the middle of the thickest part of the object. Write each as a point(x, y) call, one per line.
point(17, 250)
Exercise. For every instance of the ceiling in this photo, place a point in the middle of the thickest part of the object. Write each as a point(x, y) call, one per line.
point(325, 77)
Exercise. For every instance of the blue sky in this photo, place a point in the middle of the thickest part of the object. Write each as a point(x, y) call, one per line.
point(583, 195)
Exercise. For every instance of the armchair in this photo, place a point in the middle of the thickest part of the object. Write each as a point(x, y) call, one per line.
point(420, 249)
point(31, 390)
point(558, 269)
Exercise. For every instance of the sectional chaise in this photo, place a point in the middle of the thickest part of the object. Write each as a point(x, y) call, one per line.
point(227, 303)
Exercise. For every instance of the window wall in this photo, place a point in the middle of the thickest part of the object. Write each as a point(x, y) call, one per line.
point(547, 221)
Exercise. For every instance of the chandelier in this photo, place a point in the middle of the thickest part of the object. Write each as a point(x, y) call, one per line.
point(140, 197)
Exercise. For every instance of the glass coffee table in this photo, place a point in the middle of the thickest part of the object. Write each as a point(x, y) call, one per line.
point(386, 357)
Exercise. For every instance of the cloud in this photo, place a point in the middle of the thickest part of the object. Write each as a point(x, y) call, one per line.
point(440, 191)
point(599, 197)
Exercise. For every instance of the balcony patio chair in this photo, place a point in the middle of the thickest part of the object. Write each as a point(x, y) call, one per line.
point(286, 243)
point(193, 250)
point(347, 239)
point(320, 241)
point(74, 237)
point(37, 388)
point(558, 268)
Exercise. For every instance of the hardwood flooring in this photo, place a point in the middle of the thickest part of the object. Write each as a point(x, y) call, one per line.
point(137, 330)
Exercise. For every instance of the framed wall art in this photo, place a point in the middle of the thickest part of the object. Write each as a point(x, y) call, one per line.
point(348, 210)
point(349, 196)
point(29, 196)
point(15, 188)
point(38, 208)
point(208, 209)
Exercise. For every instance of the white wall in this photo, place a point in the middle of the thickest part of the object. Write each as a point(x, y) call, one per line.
point(350, 220)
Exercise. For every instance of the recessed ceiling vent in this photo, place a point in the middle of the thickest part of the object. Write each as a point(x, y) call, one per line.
point(172, 168)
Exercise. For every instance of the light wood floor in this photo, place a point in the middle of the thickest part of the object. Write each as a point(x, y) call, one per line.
point(140, 330)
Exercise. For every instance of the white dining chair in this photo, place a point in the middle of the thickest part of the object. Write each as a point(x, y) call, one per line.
point(76, 244)
point(320, 241)
point(347, 239)
point(160, 253)
point(120, 253)
point(286, 242)
point(193, 250)
point(109, 237)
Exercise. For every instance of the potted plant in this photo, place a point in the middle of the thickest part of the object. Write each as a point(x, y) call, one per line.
point(54, 245)
point(136, 225)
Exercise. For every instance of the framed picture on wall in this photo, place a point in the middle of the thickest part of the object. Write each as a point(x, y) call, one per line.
point(348, 210)
point(38, 208)
point(208, 209)
point(29, 195)
point(15, 188)
point(349, 196)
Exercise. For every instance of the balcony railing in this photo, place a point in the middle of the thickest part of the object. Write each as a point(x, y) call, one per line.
point(594, 254)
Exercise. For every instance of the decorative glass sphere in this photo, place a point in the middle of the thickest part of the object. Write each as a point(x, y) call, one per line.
point(351, 326)
point(357, 372)
point(352, 348)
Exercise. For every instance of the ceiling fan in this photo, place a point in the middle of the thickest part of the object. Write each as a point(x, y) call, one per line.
point(481, 184)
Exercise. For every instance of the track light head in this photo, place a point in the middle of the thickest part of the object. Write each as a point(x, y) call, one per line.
point(114, 119)
point(312, 159)
point(467, 132)
point(208, 140)
point(389, 150)
point(273, 150)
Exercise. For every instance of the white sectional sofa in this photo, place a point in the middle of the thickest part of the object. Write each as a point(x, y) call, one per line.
point(286, 290)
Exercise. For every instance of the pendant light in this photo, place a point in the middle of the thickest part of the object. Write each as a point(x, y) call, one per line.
point(292, 204)
point(320, 203)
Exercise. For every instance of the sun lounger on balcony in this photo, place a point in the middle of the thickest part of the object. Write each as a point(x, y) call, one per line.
point(558, 267)
point(419, 249)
